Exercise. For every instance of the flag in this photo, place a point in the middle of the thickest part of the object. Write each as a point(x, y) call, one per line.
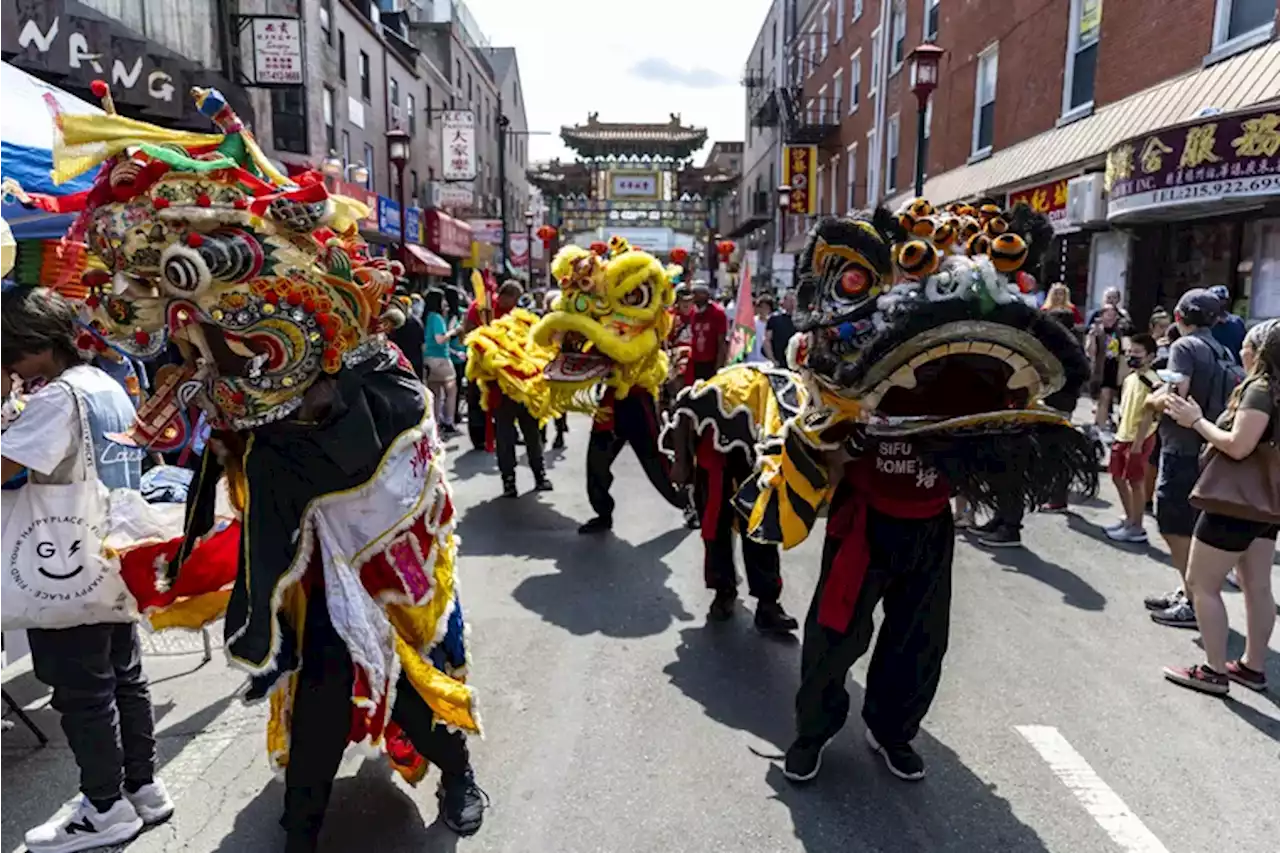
point(743, 334)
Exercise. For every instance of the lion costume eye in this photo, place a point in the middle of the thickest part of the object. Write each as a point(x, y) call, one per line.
point(638, 296)
point(853, 282)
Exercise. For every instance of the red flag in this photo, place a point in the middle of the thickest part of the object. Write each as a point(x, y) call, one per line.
point(744, 319)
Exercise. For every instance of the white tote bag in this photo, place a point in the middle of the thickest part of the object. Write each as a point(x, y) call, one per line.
point(57, 574)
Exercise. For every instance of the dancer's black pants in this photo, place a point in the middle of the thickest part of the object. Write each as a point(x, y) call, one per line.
point(635, 422)
point(910, 572)
point(476, 416)
point(322, 721)
point(509, 414)
point(760, 561)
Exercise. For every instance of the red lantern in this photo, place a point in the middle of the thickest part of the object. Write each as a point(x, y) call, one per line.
point(679, 255)
point(725, 248)
point(546, 234)
point(600, 248)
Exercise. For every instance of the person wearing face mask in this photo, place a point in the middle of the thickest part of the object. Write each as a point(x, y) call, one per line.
point(1134, 439)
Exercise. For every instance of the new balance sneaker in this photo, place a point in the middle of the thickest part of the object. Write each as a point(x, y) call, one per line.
point(1180, 615)
point(151, 801)
point(79, 825)
point(1199, 677)
point(772, 619)
point(462, 802)
point(901, 759)
point(1243, 675)
point(804, 758)
point(1164, 601)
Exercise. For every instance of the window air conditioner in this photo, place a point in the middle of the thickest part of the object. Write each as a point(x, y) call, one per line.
point(1085, 202)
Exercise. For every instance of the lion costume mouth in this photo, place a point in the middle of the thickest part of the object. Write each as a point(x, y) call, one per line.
point(572, 365)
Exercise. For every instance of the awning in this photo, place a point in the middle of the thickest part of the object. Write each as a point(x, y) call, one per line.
point(1249, 78)
point(26, 132)
point(423, 261)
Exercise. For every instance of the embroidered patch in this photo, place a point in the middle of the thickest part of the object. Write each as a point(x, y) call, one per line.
point(405, 556)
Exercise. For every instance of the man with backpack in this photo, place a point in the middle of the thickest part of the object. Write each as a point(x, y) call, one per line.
point(1207, 372)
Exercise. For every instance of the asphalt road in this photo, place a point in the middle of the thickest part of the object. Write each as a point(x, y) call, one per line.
point(618, 720)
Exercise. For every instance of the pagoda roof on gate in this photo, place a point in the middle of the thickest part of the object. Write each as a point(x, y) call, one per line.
point(597, 138)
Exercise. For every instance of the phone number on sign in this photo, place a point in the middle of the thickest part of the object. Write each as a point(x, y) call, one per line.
point(1225, 188)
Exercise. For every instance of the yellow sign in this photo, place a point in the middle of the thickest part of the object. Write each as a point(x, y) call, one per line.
point(799, 170)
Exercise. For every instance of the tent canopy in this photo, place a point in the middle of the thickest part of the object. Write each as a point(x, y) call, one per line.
point(26, 132)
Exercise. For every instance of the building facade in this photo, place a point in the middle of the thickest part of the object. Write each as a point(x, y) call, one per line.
point(1034, 103)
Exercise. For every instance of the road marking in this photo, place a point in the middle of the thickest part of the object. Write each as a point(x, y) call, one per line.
point(1102, 803)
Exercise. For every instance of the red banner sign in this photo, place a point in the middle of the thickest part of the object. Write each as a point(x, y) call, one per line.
point(1049, 199)
point(448, 236)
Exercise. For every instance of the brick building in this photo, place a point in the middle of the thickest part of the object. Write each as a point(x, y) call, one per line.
point(1033, 100)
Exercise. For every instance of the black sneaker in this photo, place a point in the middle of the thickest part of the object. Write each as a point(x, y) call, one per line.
point(1001, 537)
point(804, 758)
point(509, 489)
point(1164, 601)
point(558, 444)
point(599, 524)
point(1180, 615)
point(772, 619)
point(723, 606)
point(901, 759)
point(462, 803)
point(542, 484)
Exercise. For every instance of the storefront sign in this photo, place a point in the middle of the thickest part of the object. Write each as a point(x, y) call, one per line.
point(452, 196)
point(446, 235)
point(798, 172)
point(458, 135)
point(486, 231)
point(1048, 199)
point(277, 51)
point(389, 220)
point(633, 185)
point(518, 250)
point(1222, 158)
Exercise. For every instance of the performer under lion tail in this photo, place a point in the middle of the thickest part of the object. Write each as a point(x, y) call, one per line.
point(607, 329)
point(712, 430)
point(343, 605)
point(947, 370)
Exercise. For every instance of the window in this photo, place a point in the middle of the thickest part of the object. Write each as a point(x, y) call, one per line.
point(826, 31)
point(773, 38)
point(369, 163)
point(875, 62)
point(394, 86)
point(289, 120)
point(822, 105)
point(411, 110)
point(342, 56)
point(984, 100)
point(822, 191)
point(809, 113)
point(851, 179)
point(871, 168)
point(839, 21)
point(855, 81)
point(813, 55)
point(346, 149)
point(430, 107)
point(899, 37)
point(1239, 21)
point(457, 73)
point(857, 9)
point(365, 91)
point(931, 12)
point(833, 172)
point(891, 154)
point(922, 155)
point(330, 132)
point(326, 20)
point(1082, 56)
point(838, 95)
point(413, 181)
point(470, 94)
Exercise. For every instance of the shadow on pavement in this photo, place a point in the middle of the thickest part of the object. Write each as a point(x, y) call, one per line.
point(1076, 591)
point(1081, 525)
point(465, 462)
point(748, 683)
point(367, 811)
point(601, 584)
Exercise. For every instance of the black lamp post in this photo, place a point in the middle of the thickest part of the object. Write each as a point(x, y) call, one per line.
point(398, 154)
point(924, 79)
point(784, 204)
point(528, 245)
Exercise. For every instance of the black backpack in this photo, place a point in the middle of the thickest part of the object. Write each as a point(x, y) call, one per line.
point(1227, 375)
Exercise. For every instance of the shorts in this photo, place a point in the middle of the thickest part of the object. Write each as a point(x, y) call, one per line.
point(1129, 463)
point(440, 370)
point(1233, 535)
point(1174, 513)
point(1111, 374)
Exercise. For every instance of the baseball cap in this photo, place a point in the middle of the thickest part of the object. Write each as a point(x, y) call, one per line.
point(1223, 295)
point(1199, 306)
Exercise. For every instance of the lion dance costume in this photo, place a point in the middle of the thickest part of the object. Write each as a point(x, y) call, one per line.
point(342, 602)
point(607, 330)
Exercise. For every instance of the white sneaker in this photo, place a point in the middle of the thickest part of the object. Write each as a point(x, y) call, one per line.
point(152, 803)
point(1233, 580)
point(1126, 534)
point(1119, 525)
point(80, 826)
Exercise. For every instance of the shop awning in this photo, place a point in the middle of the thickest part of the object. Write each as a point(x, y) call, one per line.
point(1249, 78)
point(423, 261)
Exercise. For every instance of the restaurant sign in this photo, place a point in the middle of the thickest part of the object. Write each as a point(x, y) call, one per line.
point(1049, 199)
point(458, 135)
point(1221, 158)
point(799, 169)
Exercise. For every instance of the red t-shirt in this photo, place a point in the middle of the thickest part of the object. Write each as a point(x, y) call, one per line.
point(473, 312)
point(710, 325)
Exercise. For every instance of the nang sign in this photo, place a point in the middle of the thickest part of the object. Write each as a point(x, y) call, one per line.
point(65, 38)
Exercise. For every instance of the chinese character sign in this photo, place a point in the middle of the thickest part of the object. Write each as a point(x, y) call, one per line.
point(1048, 199)
point(458, 144)
point(277, 51)
point(1222, 158)
point(633, 185)
point(798, 171)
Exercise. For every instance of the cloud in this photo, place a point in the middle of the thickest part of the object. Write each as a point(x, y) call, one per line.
point(660, 70)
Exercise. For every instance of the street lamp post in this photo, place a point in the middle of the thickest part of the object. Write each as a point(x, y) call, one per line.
point(924, 79)
point(784, 204)
point(528, 246)
point(398, 154)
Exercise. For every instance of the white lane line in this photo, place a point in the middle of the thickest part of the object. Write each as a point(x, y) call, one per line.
point(1103, 804)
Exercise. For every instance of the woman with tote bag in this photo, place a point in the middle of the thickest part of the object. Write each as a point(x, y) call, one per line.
point(84, 642)
point(1238, 493)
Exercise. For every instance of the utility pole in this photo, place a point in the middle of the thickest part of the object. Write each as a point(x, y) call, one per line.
point(503, 122)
